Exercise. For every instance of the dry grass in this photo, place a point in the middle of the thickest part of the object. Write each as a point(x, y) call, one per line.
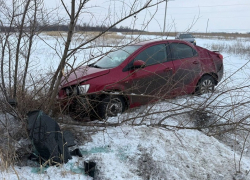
point(221, 35)
point(55, 33)
point(196, 34)
point(105, 36)
point(239, 47)
point(114, 35)
point(108, 35)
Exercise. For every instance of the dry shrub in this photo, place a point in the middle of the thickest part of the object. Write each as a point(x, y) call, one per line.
point(15, 145)
point(29, 102)
point(14, 142)
point(55, 33)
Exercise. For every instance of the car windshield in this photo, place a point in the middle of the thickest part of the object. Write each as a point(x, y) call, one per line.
point(186, 36)
point(115, 58)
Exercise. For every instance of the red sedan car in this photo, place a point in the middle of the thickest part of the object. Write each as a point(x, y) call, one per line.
point(139, 74)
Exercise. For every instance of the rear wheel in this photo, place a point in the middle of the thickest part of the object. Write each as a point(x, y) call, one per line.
point(110, 106)
point(205, 85)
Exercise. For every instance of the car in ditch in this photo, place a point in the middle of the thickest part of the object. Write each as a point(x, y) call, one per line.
point(186, 37)
point(139, 74)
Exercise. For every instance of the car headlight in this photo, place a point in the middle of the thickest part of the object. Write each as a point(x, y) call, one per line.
point(83, 89)
point(72, 90)
point(68, 92)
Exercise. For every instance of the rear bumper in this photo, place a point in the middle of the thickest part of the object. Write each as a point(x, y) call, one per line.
point(220, 73)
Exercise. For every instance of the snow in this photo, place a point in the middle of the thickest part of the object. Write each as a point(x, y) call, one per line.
point(139, 149)
point(140, 153)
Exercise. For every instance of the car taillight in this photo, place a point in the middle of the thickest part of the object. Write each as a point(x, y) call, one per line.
point(220, 56)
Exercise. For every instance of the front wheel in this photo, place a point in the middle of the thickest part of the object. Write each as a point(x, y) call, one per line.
point(110, 106)
point(205, 85)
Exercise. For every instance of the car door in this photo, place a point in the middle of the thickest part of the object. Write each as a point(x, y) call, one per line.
point(187, 68)
point(152, 81)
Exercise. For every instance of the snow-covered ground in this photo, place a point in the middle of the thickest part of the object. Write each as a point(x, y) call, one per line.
point(161, 146)
point(141, 153)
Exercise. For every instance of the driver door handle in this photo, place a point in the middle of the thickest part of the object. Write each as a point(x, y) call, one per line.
point(168, 69)
point(195, 62)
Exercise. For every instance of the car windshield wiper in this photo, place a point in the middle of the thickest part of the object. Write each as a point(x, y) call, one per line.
point(96, 66)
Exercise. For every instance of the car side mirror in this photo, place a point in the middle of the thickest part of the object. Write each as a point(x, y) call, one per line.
point(139, 64)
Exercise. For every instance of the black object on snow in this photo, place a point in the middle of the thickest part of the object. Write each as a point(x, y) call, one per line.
point(76, 152)
point(69, 138)
point(47, 138)
point(89, 168)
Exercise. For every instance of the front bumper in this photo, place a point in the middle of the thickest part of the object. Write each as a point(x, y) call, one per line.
point(76, 105)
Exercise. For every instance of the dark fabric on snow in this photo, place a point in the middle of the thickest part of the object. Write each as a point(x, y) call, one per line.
point(76, 152)
point(70, 139)
point(47, 138)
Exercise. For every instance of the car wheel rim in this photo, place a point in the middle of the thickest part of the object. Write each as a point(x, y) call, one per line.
point(207, 86)
point(114, 107)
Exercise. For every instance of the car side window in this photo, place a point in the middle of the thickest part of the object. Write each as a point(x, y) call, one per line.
point(153, 55)
point(181, 51)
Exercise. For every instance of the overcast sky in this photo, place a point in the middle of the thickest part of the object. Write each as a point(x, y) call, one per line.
point(199, 15)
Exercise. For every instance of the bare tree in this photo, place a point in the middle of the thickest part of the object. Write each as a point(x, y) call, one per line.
point(20, 25)
point(21, 29)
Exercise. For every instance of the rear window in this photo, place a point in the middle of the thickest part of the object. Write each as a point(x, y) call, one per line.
point(183, 36)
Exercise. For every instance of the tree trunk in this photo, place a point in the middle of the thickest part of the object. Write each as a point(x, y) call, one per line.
point(18, 47)
point(58, 75)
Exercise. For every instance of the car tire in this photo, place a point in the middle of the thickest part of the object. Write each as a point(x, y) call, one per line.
point(110, 106)
point(205, 85)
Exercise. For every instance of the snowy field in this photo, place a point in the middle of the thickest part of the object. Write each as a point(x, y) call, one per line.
point(160, 146)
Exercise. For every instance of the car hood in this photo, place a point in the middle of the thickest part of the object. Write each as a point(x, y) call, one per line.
point(81, 74)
